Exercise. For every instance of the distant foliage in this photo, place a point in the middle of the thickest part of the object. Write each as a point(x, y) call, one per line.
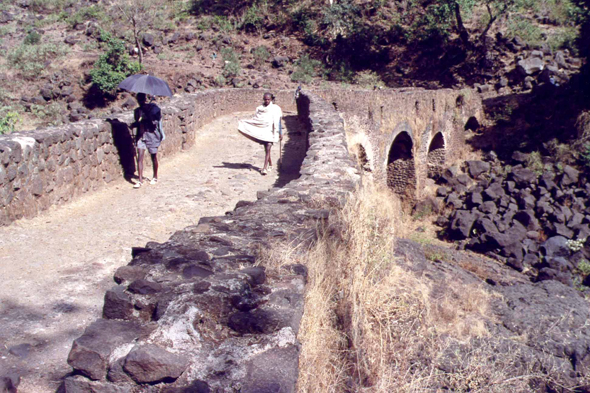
point(30, 59)
point(231, 67)
point(261, 54)
point(8, 120)
point(368, 79)
point(306, 69)
point(113, 66)
point(33, 38)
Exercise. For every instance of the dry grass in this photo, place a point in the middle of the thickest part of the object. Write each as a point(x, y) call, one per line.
point(372, 326)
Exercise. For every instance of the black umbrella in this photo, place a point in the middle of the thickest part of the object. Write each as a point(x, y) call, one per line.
point(142, 83)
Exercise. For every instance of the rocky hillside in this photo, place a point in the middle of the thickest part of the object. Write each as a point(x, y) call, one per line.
point(49, 48)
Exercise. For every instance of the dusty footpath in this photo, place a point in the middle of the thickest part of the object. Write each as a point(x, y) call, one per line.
point(55, 268)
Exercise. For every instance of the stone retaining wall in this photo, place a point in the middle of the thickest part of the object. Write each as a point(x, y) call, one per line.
point(50, 166)
point(199, 313)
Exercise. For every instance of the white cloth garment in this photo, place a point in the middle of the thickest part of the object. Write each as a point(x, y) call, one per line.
point(264, 126)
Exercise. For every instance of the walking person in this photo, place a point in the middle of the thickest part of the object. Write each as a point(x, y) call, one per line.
point(264, 128)
point(148, 121)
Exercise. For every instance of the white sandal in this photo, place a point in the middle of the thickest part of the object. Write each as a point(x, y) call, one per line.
point(154, 181)
point(137, 185)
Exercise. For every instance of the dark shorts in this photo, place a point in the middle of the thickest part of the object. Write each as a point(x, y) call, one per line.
point(149, 141)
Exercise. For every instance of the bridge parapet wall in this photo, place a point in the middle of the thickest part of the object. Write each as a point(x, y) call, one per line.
point(50, 166)
point(375, 120)
point(200, 312)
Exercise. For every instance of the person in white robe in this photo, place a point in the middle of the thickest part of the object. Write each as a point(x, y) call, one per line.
point(264, 128)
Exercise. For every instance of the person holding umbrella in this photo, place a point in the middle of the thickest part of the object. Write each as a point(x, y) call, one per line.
point(148, 119)
point(264, 128)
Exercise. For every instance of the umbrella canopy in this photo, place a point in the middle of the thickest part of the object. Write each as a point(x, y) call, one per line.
point(142, 83)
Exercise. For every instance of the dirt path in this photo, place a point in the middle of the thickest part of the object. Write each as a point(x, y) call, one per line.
point(56, 268)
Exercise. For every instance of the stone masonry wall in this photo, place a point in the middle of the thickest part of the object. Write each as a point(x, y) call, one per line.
point(50, 166)
point(383, 114)
point(200, 313)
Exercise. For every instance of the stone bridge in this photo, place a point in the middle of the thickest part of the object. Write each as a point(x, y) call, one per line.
point(406, 136)
point(201, 312)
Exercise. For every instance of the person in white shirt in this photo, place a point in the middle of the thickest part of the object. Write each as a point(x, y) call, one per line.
point(264, 128)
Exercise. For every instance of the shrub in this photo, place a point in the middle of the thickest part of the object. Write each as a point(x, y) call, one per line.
point(305, 69)
point(368, 79)
point(529, 32)
point(231, 59)
point(341, 18)
point(8, 120)
point(261, 54)
point(33, 38)
point(113, 66)
point(252, 19)
point(30, 59)
point(535, 163)
point(94, 12)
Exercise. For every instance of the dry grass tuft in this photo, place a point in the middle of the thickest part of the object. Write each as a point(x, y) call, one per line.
point(372, 326)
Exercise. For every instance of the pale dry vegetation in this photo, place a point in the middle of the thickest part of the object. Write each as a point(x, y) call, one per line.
point(372, 325)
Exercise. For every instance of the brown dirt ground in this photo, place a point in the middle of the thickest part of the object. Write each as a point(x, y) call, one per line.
point(56, 267)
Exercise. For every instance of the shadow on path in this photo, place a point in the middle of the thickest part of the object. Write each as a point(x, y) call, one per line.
point(237, 165)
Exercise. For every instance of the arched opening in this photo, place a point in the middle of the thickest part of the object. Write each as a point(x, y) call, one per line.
point(401, 174)
point(472, 124)
point(436, 156)
point(361, 157)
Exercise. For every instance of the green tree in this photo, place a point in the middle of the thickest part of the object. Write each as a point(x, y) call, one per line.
point(112, 66)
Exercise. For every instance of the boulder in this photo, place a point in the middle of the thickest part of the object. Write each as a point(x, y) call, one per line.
point(494, 192)
point(560, 60)
point(523, 177)
point(274, 370)
point(528, 219)
point(148, 40)
point(144, 287)
point(78, 384)
point(555, 247)
point(90, 352)
point(476, 168)
point(152, 364)
point(279, 61)
point(570, 176)
point(530, 66)
point(117, 304)
point(462, 223)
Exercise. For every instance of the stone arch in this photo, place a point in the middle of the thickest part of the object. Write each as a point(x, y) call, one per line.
point(436, 156)
point(401, 171)
point(472, 124)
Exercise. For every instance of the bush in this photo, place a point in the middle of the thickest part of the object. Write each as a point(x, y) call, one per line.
point(84, 14)
point(368, 79)
point(252, 19)
point(306, 69)
point(231, 59)
point(30, 59)
point(113, 66)
point(261, 54)
point(33, 38)
point(8, 120)
point(526, 30)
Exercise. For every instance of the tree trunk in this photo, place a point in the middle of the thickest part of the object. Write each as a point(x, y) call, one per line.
point(463, 33)
point(137, 42)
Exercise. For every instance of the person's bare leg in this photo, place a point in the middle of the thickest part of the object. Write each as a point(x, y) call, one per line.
point(266, 156)
point(140, 154)
point(155, 165)
point(269, 156)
